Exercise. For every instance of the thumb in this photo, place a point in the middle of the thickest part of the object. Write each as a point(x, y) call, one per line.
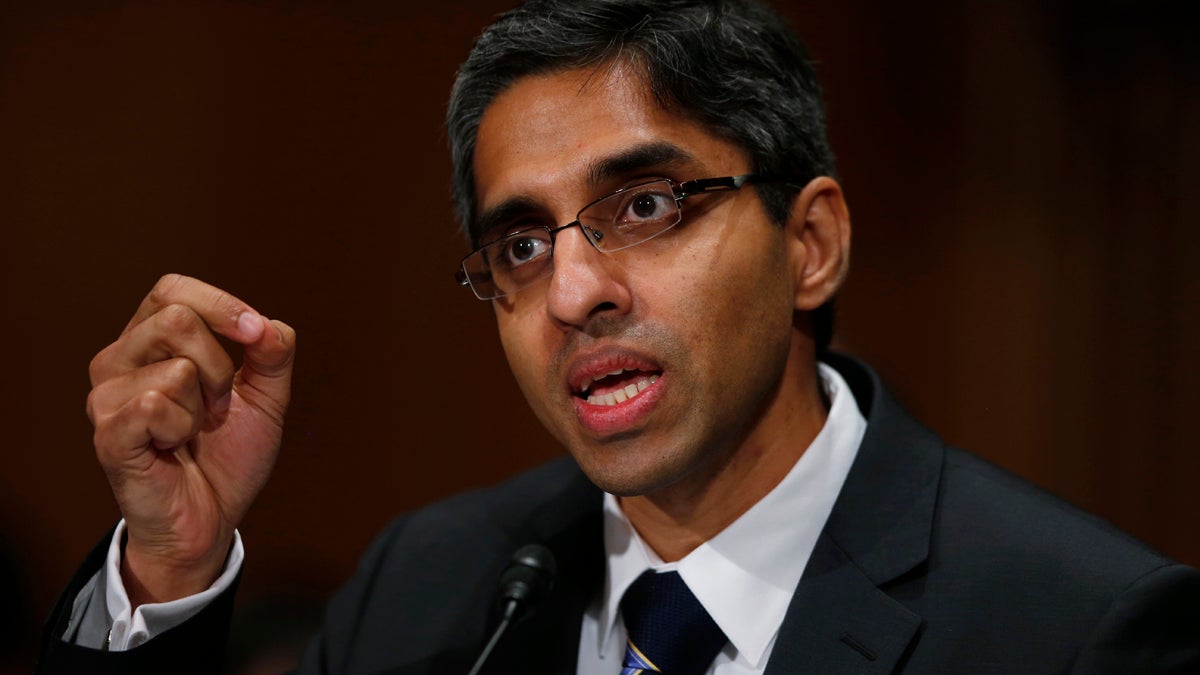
point(267, 367)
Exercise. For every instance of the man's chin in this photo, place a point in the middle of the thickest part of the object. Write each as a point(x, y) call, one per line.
point(622, 474)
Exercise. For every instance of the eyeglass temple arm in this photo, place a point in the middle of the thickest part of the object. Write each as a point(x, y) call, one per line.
point(695, 187)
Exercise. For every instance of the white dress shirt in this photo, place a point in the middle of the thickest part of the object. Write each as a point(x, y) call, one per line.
point(745, 576)
point(128, 627)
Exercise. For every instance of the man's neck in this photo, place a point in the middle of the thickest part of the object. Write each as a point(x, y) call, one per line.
point(675, 520)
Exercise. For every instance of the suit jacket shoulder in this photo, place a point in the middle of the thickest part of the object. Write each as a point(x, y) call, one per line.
point(935, 561)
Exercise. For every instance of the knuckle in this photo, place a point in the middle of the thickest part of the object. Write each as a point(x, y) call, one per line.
point(177, 320)
point(164, 287)
point(90, 406)
point(180, 379)
point(105, 364)
point(182, 371)
point(99, 403)
point(97, 367)
point(168, 281)
point(284, 342)
point(151, 404)
point(104, 437)
point(287, 332)
point(167, 376)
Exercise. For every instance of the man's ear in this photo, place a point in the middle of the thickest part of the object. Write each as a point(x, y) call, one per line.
point(818, 239)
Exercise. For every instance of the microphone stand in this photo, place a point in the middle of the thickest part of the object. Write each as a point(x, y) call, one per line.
point(526, 581)
point(510, 610)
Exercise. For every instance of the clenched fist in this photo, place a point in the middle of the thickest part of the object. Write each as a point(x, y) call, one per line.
point(186, 440)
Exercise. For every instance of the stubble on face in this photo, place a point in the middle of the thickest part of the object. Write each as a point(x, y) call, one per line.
point(625, 463)
point(723, 347)
point(709, 303)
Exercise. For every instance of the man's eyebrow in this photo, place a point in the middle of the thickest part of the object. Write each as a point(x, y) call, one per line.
point(502, 213)
point(637, 158)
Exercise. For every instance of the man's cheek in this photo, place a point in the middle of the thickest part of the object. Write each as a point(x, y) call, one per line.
point(529, 364)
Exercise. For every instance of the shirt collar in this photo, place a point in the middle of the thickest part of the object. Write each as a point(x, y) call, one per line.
point(745, 575)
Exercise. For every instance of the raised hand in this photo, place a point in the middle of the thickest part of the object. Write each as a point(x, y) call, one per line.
point(187, 442)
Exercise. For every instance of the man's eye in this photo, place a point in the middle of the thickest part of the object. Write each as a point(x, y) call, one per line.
point(645, 206)
point(521, 248)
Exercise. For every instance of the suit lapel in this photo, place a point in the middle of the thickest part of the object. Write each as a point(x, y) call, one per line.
point(839, 620)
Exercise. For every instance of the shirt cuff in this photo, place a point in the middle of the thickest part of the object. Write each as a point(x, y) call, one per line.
point(131, 628)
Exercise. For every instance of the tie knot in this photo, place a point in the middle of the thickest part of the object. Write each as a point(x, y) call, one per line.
point(669, 631)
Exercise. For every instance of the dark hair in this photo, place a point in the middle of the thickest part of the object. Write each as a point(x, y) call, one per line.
point(732, 66)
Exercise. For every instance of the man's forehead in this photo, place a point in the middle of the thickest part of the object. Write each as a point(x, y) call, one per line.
point(560, 111)
point(580, 129)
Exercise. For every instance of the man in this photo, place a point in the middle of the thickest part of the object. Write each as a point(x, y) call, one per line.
point(648, 190)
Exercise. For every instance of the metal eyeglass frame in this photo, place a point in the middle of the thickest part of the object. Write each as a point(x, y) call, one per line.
point(681, 191)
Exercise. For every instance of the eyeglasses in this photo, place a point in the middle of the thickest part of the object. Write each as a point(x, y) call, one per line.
point(625, 218)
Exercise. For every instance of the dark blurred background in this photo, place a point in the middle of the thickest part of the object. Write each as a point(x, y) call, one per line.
point(1021, 177)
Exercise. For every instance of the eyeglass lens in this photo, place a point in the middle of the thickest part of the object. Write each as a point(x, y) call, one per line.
point(617, 221)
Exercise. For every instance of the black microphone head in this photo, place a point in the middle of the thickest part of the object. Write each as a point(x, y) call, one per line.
point(527, 580)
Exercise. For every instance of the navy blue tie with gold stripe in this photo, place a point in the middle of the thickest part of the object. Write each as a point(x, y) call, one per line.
point(669, 630)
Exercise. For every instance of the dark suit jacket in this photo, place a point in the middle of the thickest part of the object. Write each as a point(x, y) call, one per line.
point(932, 561)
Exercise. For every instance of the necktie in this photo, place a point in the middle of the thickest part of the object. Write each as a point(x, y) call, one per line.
point(669, 630)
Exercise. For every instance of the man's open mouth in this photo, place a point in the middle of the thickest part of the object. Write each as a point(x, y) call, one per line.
point(616, 387)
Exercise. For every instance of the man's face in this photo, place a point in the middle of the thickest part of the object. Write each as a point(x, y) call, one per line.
point(689, 332)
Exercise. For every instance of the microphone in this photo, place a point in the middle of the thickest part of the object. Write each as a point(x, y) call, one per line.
point(524, 584)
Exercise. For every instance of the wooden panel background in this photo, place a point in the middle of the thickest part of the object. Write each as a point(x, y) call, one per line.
point(1020, 174)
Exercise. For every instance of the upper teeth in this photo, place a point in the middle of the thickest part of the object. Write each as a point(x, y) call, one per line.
point(622, 395)
point(587, 382)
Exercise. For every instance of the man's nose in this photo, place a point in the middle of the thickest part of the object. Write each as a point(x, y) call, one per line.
point(584, 283)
